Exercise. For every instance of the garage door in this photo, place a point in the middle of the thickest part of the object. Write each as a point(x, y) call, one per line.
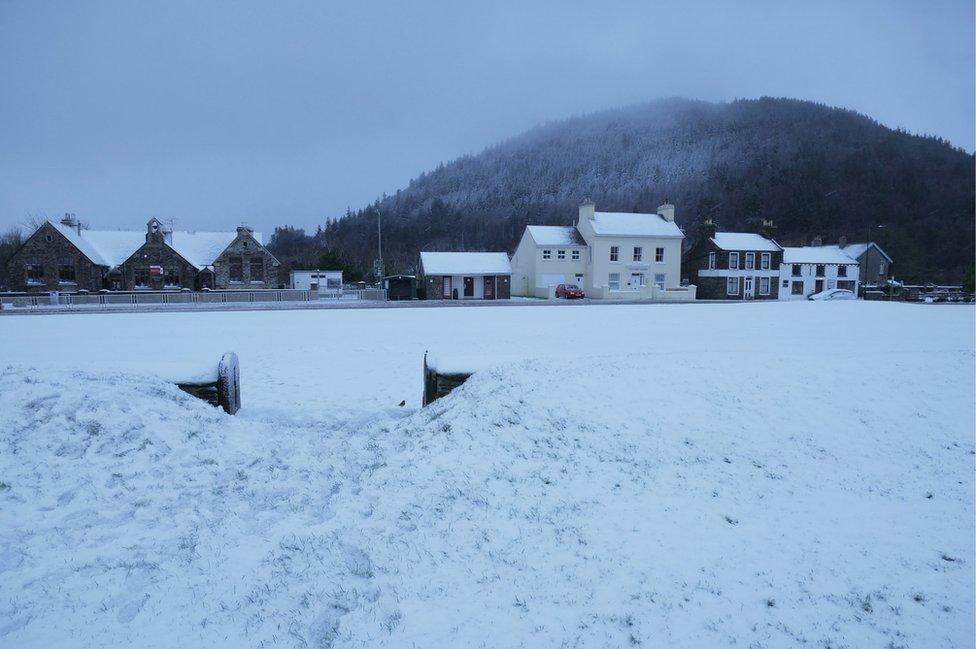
point(551, 279)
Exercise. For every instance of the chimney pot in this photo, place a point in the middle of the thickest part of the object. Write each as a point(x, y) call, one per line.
point(666, 210)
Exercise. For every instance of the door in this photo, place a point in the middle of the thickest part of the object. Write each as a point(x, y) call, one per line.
point(469, 287)
point(747, 289)
point(489, 288)
point(636, 281)
point(819, 286)
point(446, 287)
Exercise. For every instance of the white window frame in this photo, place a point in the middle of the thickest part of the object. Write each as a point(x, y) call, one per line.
point(611, 281)
point(660, 279)
point(638, 253)
point(732, 286)
point(750, 261)
point(560, 254)
point(615, 253)
point(546, 253)
point(576, 255)
point(733, 261)
point(711, 261)
point(764, 285)
point(659, 255)
point(765, 261)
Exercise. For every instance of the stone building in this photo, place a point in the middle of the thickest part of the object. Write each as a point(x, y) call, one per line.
point(734, 265)
point(67, 257)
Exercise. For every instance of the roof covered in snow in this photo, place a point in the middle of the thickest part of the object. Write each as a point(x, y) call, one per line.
point(855, 250)
point(465, 263)
point(744, 241)
point(112, 247)
point(637, 225)
point(816, 255)
point(555, 235)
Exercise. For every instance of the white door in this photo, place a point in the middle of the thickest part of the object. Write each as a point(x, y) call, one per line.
point(747, 288)
point(636, 281)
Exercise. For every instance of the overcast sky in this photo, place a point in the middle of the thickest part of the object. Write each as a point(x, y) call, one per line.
point(213, 113)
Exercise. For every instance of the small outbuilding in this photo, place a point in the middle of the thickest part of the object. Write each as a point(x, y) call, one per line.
point(321, 280)
point(466, 275)
point(400, 287)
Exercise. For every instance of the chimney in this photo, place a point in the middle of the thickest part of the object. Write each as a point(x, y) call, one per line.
point(242, 228)
point(842, 242)
point(706, 229)
point(768, 229)
point(70, 221)
point(587, 210)
point(168, 234)
point(817, 242)
point(666, 210)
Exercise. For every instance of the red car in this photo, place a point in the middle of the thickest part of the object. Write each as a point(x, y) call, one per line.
point(569, 291)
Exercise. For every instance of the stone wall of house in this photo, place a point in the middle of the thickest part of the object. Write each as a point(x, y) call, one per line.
point(47, 246)
point(716, 288)
point(252, 254)
point(155, 252)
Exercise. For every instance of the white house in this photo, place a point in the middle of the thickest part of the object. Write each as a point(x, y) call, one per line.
point(813, 269)
point(610, 255)
point(320, 279)
point(466, 275)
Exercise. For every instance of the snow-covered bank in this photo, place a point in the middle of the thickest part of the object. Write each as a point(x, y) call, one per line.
point(671, 477)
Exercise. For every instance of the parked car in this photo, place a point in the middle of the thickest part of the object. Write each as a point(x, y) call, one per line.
point(569, 291)
point(834, 294)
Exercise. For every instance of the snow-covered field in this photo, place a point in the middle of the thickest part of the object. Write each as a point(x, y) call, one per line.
point(753, 475)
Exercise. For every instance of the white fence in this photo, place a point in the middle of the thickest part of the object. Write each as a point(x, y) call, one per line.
point(353, 294)
point(120, 298)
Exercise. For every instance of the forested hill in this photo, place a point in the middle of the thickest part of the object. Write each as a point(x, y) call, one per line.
point(814, 170)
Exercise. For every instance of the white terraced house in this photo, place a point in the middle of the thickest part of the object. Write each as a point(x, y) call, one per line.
point(813, 269)
point(610, 255)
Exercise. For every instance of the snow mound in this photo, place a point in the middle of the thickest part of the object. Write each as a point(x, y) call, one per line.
point(648, 499)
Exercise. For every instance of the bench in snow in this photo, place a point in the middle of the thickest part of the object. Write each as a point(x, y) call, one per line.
point(219, 385)
point(443, 373)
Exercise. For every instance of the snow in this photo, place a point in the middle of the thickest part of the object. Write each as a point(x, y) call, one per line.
point(465, 263)
point(202, 248)
point(744, 241)
point(855, 250)
point(630, 224)
point(800, 475)
point(816, 255)
point(555, 235)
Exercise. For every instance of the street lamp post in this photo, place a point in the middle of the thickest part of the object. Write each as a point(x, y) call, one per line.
point(867, 255)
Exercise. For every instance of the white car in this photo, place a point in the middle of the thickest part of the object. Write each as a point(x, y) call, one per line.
point(834, 294)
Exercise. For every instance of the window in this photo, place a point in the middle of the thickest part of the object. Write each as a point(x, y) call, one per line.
point(614, 281)
point(35, 271)
point(786, 283)
point(66, 270)
point(764, 286)
point(765, 261)
point(560, 254)
point(732, 286)
point(842, 271)
point(797, 288)
point(711, 260)
point(881, 268)
point(750, 260)
point(576, 254)
point(140, 277)
point(797, 270)
point(614, 253)
point(733, 261)
point(257, 269)
point(547, 254)
point(659, 255)
point(638, 253)
point(171, 277)
point(236, 269)
point(48, 238)
point(333, 282)
point(821, 270)
point(659, 279)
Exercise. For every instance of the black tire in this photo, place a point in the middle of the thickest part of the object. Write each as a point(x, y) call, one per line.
point(229, 383)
